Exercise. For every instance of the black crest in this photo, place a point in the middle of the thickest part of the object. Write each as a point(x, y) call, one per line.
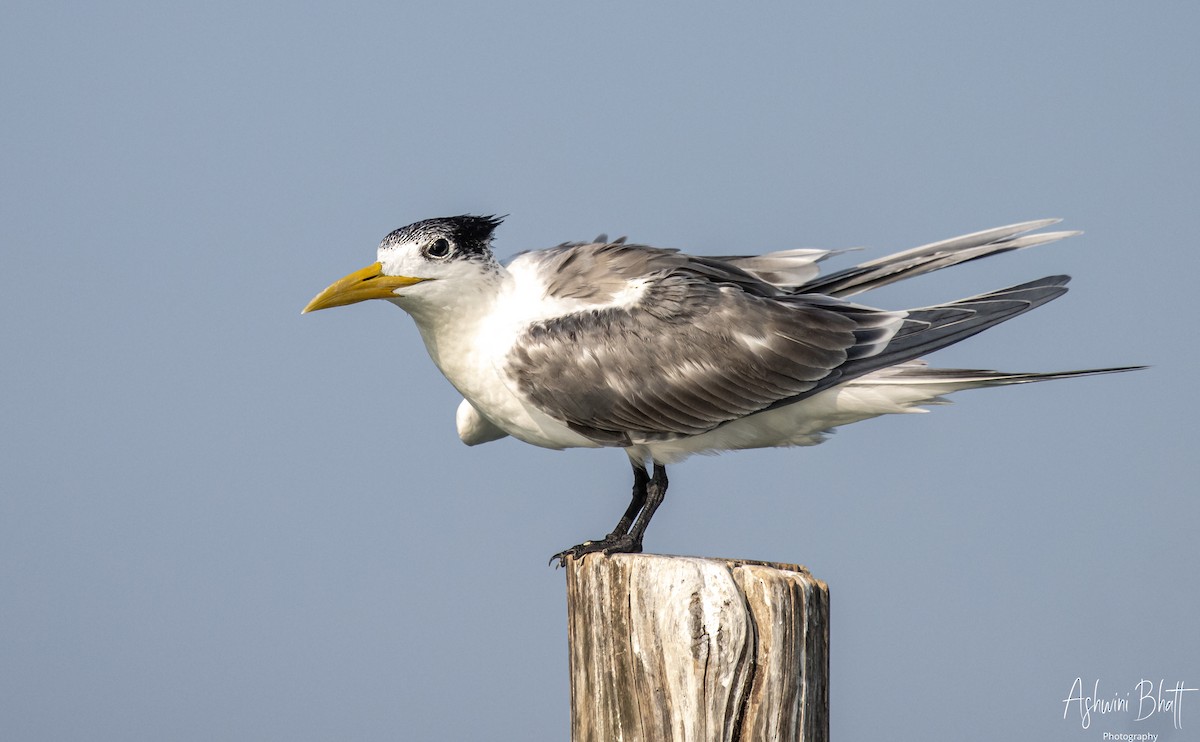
point(471, 234)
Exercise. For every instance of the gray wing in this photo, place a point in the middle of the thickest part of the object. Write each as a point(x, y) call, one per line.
point(708, 343)
point(692, 354)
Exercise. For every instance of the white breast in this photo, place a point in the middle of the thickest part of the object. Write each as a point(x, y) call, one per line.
point(471, 347)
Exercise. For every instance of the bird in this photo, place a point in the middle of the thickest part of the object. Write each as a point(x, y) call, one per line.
point(666, 354)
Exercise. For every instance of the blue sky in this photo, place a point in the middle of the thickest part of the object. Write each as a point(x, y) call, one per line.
point(221, 520)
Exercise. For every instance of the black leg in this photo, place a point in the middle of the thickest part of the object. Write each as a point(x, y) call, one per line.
point(648, 493)
point(640, 480)
point(656, 492)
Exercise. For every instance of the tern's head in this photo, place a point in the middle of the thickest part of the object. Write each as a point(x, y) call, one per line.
point(429, 262)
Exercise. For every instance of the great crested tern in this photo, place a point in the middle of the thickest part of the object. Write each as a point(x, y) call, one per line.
point(666, 354)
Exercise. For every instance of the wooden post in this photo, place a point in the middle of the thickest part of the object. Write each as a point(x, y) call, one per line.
point(684, 648)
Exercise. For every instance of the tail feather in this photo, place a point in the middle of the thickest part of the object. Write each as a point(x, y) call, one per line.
point(926, 330)
point(917, 373)
point(934, 256)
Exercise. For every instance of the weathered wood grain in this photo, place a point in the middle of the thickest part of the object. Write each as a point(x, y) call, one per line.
point(684, 648)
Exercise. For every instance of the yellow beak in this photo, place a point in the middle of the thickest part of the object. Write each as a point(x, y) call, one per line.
point(368, 283)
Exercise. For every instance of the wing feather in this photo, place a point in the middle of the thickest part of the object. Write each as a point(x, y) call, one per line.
point(702, 346)
point(693, 354)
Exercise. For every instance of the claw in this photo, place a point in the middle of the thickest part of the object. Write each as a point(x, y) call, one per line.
point(610, 544)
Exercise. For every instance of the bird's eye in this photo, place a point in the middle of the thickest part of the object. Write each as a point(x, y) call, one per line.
point(439, 248)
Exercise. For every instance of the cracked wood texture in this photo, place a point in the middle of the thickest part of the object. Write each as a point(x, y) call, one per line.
point(686, 648)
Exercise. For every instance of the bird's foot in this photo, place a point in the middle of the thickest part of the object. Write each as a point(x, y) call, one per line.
point(610, 544)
